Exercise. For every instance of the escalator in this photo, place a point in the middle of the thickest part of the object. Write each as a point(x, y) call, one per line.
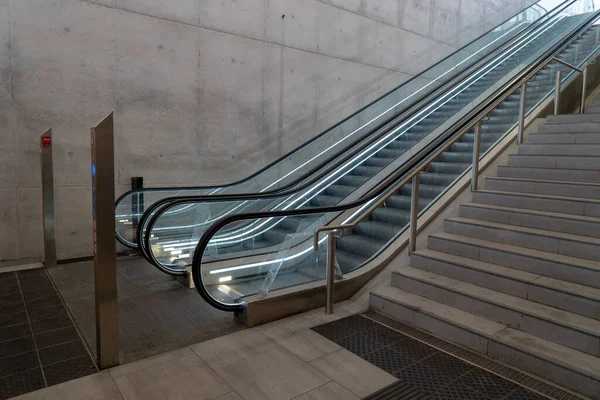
point(172, 236)
point(265, 243)
point(333, 145)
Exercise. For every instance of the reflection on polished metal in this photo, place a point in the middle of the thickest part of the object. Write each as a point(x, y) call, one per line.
point(583, 90)
point(105, 268)
point(476, 150)
point(557, 91)
point(414, 213)
point(48, 199)
point(330, 273)
point(522, 112)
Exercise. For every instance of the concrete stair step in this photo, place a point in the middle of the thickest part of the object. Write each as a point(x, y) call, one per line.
point(586, 207)
point(593, 109)
point(566, 268)
point(561, 138)
point(567, 367)
point(572, 150)
point(540, 186)
point(531, 238)
point(572, 119)
point(567, 223)
point(559, 174)
point(579, 299)
point(554, 161)
point(569, 128)
point(562, 327)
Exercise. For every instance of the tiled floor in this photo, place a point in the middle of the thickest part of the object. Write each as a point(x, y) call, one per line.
point(422, 371)
point(156, 313)
point(39, 345)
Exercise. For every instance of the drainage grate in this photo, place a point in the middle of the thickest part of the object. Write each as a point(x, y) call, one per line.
point(489, 377)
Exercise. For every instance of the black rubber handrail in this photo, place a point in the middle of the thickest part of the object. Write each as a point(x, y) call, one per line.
point(417, 163)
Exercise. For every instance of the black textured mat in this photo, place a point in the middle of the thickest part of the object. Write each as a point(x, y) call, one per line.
point(39, 345)
point(423, 371)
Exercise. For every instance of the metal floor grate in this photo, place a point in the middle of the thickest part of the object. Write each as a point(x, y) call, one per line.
point(431, 368)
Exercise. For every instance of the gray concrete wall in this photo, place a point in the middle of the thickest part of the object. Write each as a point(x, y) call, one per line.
point(204, 91)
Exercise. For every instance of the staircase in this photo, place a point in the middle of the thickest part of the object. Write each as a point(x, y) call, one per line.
point(516, 275)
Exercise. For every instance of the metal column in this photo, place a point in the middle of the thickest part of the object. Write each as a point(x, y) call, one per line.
point(476, 151)
point(557, 93)
point(48, 199)
point(414, 214)
point(105, 268)
point(330, 282)
point(522, 112)
point(583, 90)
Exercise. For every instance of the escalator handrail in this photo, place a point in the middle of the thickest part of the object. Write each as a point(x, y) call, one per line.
point(190, 188)
point(395, 179)
point(154, 212)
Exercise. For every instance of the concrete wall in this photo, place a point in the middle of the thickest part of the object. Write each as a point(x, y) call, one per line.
point(204, 91)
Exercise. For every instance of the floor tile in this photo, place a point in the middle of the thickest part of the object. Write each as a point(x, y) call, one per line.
point(98, 386)
point(309, 345)
point(334, 331)
point(388, 360)
point(425, 379)
point(488, 384)
point(150, 362)
point(188, 377)
point(18, 363)
point(13, 318)
point(413, 349)
point(276, 375)
point(282, 329)
point(353, 373)
point(10, 299)
point(50, 324)
point(62, 352)
point(340, 310)
point(12, 308)
point(357, 323)
point(24, 382)
point(332, 390)
point(57, 336)
point(359, 344)
point(68, 370)
point(231, 348)
point(14, 332)
point(230, 396)
point(46, 312)
point(44, 302)
point(446, 364)
point(16, 346)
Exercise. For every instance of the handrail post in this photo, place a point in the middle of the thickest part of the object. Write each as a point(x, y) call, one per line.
point(476, 151)
point(330, 271)
point(583, 90)
point(414, 213)
point(557, 93)
point(522, 111)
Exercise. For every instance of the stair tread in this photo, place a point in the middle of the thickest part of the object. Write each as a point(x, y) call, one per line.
point(541, 348)
point(534, 231)
point(560, 258)
point(576, 183)
point(557, 316)
point(523, 276)
point(541, 196)
point(534, 212)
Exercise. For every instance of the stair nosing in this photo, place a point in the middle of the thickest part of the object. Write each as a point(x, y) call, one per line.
point(582, 218)
point(521, 251)
point(540, 195)
point(469, 263)
point(522, 310)
point(507, 178)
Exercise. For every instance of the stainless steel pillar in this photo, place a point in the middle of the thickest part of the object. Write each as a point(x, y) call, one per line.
point(522, 112)
point(583, 90)
point(414, 214)
point(48, 199)
point(557, 93)
point(105, 268)
point(476, 151)
point(330, 272)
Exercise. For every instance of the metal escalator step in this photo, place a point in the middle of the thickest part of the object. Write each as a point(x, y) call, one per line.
point(322, 200)
point(362, 245)
point(389, 215)
point(276, 236)
point(425, 191)
point(402, 202)
point(448, 168)
point(437, 179)
point(353, 180)
point(348, 261)
point(339, 191)
point(450, 156)
point(376, 229)
point(363, 170)
point(378, 162)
